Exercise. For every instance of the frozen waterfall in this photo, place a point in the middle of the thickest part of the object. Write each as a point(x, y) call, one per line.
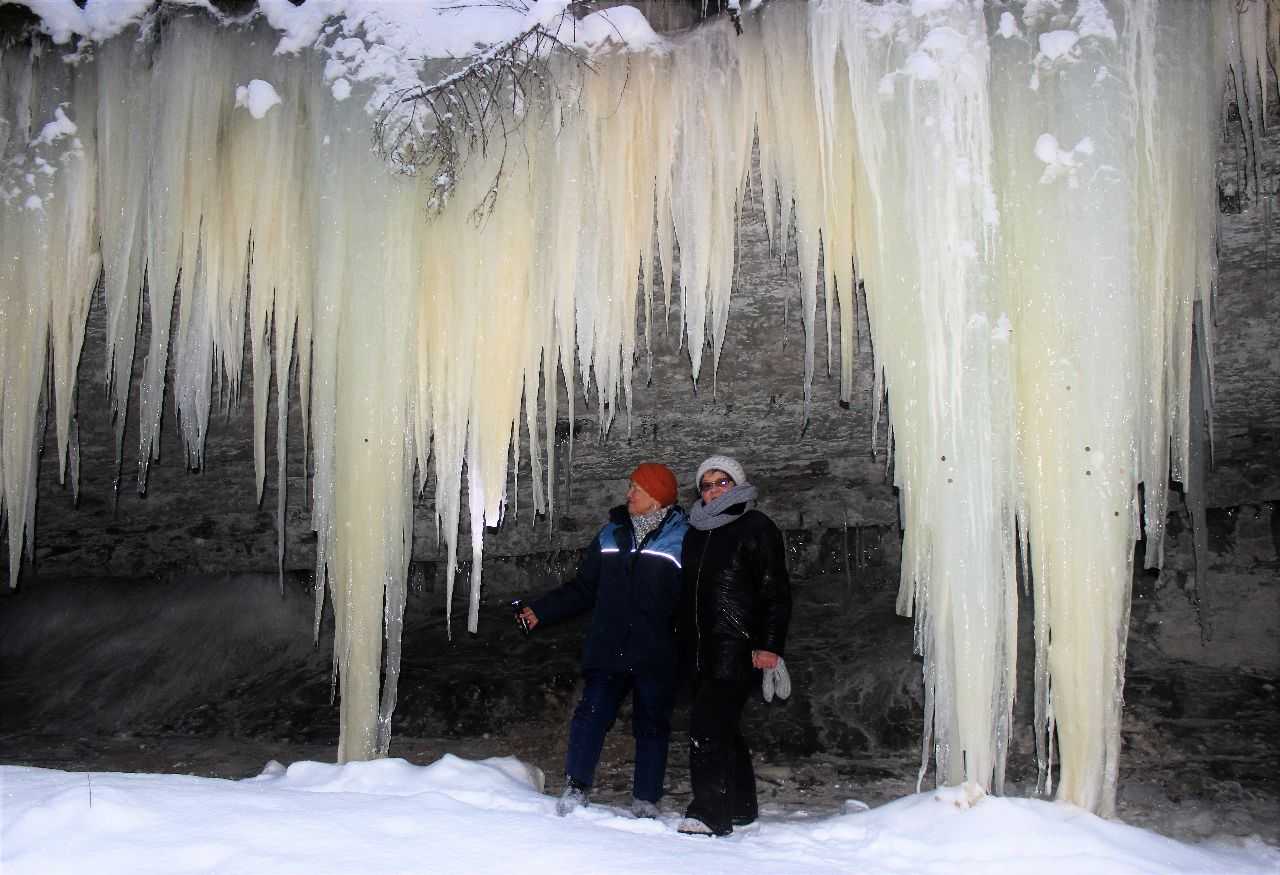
point(1024, 191)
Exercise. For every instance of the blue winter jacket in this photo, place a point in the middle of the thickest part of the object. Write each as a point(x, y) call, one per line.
point(634, 589)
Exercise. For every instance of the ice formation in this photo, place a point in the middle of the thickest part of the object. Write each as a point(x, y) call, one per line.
point(1025, 192)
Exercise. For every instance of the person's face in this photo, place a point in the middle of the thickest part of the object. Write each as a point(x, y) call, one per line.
point(714, 483)
point(640, 502)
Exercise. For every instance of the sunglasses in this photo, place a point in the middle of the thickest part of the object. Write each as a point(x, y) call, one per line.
point(708, 485)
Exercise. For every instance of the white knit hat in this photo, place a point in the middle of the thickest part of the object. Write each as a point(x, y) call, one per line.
point(726, 464)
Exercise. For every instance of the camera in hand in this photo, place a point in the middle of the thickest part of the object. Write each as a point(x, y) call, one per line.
point(517, 608)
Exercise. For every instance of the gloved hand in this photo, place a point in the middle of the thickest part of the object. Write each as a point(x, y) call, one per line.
point(777, 681)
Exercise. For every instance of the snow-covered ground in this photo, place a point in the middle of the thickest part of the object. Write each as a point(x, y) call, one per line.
point(463, 816)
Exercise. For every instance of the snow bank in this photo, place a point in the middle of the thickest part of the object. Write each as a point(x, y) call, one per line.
point(455, 815)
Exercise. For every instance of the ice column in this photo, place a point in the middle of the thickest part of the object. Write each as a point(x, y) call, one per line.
point(912, 90)
point(124, 128)
point(1105, 172)
point(49, 264)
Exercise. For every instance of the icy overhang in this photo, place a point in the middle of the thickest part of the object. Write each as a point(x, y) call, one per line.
point(424, 29)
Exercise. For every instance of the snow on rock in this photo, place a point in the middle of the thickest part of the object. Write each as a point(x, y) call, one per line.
point(1061, 162)
point(258, 97)
point(928, 7)
point(619, 27)
point(1008, 25)
point(1058, 43)
point(98, 20)
point(60, 127)
point(376, 41)
point(1092, 19)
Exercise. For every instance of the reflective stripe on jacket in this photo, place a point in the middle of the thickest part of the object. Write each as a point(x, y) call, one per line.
point(634, 591)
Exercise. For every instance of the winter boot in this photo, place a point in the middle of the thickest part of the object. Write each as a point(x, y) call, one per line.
point(574, 795)
point(644, 808)
point(691, 826)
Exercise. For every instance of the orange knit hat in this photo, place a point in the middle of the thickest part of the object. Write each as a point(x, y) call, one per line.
point(658, 481)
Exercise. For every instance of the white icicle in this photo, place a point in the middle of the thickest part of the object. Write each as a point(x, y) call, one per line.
point(923, 228)
point(124, 130)
point(74, 260)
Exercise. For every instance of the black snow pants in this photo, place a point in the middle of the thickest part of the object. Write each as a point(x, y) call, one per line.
point(724, 784)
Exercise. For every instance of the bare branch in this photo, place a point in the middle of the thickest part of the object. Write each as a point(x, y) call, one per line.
point(435, 129)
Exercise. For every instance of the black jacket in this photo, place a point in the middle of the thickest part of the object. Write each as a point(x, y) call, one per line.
point(635, 591)
point(737, 595)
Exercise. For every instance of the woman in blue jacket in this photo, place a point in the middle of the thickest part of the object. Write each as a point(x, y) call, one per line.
point(630, 578)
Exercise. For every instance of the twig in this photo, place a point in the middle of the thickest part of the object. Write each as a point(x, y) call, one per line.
point(435, 129)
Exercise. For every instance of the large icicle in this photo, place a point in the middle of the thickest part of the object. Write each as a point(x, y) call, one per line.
point(1066, 197)
point(1106, 257)
point(371, 222)
point(24, 299)
point(74, 262)
point(789, 139)
point(181, 176)
point(124, 129)
point(51, 263)
point(269, 166)
point(715, 120)
point(1177, 82)
point(925, 231)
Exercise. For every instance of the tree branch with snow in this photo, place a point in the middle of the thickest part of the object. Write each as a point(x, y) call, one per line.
point(435, 129)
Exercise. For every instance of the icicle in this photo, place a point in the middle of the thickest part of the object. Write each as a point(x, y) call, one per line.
point(74, 258)
point(124, 129)
point(24, 290)
point(328, 253)
point(790, 137)
point(378, 234)
point(918, 173)
point(397, 592)
point(268, 186)
point(1176, 92)
point(1118, 261)
point(48, 240)
point(1198, 463)
point(182, 164)
point(1245, 42)
point(715, 124)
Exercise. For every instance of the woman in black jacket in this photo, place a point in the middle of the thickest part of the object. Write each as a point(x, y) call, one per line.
point(736, 607)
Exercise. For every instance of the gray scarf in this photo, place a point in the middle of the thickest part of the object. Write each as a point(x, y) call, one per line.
point(705, 517)
point(646, 523)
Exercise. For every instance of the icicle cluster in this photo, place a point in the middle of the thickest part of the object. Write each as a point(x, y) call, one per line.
point(243, 195)
point(1025, 192)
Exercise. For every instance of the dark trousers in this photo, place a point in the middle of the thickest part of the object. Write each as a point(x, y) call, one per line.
point(652, 697)
point(724, 784)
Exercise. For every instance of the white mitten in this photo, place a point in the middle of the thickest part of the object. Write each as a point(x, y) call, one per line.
point(776, 681)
